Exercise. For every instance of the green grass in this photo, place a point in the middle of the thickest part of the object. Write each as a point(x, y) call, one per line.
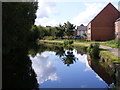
point(109, 56)
point(51, 41)
point(111, 43)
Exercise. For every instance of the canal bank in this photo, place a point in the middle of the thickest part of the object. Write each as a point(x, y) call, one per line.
point(105, 54)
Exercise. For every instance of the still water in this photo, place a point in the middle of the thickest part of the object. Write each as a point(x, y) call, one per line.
point(70, 69)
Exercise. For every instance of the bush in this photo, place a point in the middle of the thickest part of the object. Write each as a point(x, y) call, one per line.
point(68, 42)
point(94, 50)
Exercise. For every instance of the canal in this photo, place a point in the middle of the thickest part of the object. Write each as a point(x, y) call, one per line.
point(58, 67)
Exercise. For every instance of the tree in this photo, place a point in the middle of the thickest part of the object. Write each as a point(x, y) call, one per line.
point(35, 33)
point(43, 32)
point(18, 37)
point(69, 29)
point(17, 20)
point(61, 31)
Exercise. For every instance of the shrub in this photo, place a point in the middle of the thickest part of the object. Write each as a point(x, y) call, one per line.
point(68, 42)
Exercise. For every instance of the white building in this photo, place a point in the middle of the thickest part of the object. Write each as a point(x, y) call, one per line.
point(81, 30)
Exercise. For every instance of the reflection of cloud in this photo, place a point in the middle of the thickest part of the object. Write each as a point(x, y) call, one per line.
point(44, 69)
point(83, 59)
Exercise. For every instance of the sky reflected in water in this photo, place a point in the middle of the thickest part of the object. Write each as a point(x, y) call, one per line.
point(53, 73)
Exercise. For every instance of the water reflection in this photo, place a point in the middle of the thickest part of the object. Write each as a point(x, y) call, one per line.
point(48, 67)
point(69, 58)
point(17, 71)
point(44, 68)
point(51, 67)
point(107, 71)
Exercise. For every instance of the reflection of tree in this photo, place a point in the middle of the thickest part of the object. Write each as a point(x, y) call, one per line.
point(68, 48)
point(80, 52)
point(60, 51)
point(37, 49)
point(69, 58)
point(17, 71)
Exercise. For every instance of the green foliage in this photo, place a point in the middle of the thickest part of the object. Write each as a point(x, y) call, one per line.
point(94, 50)
point(17, 20)
point(68, 42)
point(108, 56)
point(61, 31)
point(113, 43)
point(56, 32)
point(51, 31)
point(43, 32)
point(34, 33)
point(18, 37)
point(69, 29)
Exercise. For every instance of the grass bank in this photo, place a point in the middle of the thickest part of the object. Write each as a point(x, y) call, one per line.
point(104, 54)
point(108, 56)
point(111, 43)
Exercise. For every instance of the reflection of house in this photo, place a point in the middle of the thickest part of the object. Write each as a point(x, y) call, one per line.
point(117, 28)
point(81, 30)
point(102, 26)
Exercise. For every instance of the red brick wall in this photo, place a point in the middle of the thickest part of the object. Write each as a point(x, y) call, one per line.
point(103, 27)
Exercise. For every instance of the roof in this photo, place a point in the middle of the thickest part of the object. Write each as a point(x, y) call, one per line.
point(81, 28)
point(102, 11)
point(118, 19)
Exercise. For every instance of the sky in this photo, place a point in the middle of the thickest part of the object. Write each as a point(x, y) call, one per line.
point(55, 12)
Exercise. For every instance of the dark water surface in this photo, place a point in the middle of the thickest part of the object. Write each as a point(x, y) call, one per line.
point(70, 70)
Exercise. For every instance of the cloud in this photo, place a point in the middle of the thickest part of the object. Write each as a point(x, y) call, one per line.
point(46, 22)
point(92, 9)
point(47, 11)
point(44, 68)
point(45, 8)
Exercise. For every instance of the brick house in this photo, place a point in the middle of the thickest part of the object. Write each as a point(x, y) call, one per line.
point(102, 27)
point(117, 28)
point(81, 30)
